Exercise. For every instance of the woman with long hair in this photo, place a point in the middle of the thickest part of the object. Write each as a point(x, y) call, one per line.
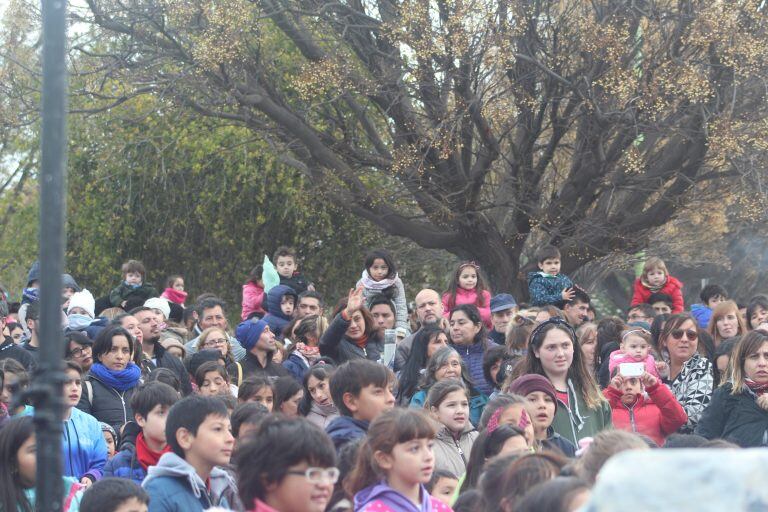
point(554, 352)
point(427, 340)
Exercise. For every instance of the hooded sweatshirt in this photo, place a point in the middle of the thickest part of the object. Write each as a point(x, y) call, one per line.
point(578, 421)
point(175, 486)
point(382, 498)
point(345, 429)
point(83, 447)
point(275, 318)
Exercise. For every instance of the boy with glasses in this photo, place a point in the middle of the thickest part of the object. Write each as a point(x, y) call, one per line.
point(287, 465)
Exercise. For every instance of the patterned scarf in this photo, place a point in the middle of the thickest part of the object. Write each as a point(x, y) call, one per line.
point(311, 353)
point(757, 389)
point(654, 289)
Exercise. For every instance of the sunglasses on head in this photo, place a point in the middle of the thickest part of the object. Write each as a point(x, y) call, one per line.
point(690, 334)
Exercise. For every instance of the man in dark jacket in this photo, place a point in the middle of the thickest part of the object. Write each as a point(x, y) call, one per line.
point(155, 353)
point(259, 341)
point(503, 308)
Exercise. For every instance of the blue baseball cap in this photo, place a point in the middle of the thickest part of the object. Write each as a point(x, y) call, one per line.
point(502, 302)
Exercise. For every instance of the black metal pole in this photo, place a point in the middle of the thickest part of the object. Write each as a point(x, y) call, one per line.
point(48, 411)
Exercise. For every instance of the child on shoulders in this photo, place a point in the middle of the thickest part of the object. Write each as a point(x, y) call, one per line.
point(380, 278)
point(549, 286)
point(174, 290)
point(468, 287)
point(287, 267)
point(253, 295)
point(656, 278)
point(133, 286)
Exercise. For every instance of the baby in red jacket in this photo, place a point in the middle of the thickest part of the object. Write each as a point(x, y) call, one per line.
point(656, 415)
point(656, 279)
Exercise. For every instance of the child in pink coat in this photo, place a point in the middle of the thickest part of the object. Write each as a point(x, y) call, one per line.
point(469, 287)
point(253, 294)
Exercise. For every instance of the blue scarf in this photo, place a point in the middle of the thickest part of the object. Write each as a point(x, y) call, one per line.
point(120, 380)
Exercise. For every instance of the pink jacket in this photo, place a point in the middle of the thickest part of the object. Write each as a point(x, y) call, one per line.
point(253, 297)
point(617, 357)
point(470, 297)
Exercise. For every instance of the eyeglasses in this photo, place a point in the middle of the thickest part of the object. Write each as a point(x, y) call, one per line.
point(77, 352)
point(318, 475)
point(637, 318)
point(214, 343)
point(690, 334)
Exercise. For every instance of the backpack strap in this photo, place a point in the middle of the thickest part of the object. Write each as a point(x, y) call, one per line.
point(89, 391)
point(239, 374)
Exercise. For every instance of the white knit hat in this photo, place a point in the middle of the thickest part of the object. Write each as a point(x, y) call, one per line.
point(159, 303)
point(83, 299)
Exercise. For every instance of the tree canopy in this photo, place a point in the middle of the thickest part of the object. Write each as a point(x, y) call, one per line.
point(481, 127)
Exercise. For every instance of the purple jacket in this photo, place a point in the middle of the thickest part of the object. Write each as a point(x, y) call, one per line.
point(382, 498)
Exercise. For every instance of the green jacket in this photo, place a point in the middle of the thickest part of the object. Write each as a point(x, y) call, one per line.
point(125, 292)
point(578, 421)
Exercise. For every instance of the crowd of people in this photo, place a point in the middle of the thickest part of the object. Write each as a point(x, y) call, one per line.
point(466, 400)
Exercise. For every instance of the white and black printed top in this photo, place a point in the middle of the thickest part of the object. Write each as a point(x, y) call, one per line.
point(693, 389)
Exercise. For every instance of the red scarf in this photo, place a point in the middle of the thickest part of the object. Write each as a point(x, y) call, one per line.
point(174, 295)
point(362, 342)
point(145, 455)
point(757, 389)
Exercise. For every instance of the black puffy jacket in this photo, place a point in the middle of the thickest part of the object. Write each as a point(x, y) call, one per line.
point(735, 418)
point(105, 403)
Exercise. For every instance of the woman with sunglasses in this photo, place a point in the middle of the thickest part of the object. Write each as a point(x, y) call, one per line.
point(554, 352)
point(690, 374)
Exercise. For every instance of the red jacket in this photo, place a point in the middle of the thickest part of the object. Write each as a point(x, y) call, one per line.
point(673, 287)
point(656, 418)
